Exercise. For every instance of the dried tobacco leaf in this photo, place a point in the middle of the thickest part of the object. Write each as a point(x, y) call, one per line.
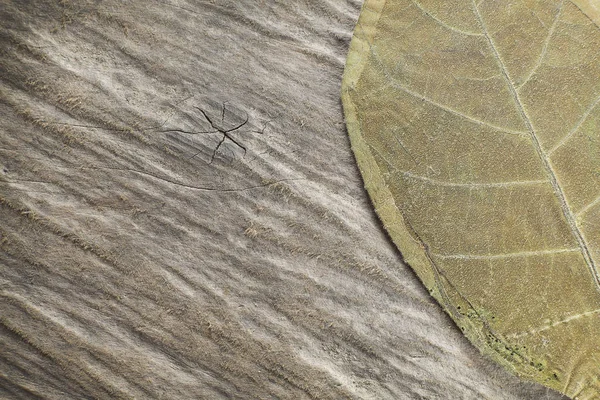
point(476, 126)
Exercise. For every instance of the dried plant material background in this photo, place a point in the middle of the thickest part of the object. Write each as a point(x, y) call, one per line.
point(475, 125)
point(181, 215)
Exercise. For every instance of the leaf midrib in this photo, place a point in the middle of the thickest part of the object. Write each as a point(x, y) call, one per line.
point(558, 191)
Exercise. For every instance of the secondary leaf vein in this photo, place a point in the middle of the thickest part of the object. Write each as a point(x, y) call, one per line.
point(442, 23)
point(544, 47)
point(588, 207)
point(583, 118)
point(555, 324)
point(393, 82)
point(505, 255)
point(472, 185)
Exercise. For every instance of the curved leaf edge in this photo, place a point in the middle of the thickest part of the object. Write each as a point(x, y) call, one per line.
point(589, 8)
point(414, 251)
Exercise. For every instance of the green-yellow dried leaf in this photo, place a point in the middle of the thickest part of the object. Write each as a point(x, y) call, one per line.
point(476, 127)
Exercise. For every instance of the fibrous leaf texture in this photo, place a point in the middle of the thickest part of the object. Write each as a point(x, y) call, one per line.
point(476, 127)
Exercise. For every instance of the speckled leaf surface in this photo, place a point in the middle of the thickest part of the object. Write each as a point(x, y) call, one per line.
point(476, 126)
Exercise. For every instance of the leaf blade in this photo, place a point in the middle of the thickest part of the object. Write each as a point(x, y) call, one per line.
point(429, 122)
